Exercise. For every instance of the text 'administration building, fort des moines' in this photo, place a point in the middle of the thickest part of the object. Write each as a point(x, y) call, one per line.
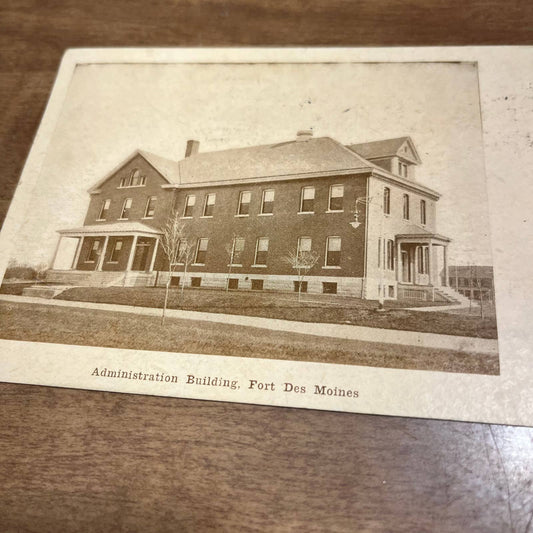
point(357, 207)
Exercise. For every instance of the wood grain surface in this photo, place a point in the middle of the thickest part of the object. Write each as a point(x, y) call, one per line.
point(90, 461)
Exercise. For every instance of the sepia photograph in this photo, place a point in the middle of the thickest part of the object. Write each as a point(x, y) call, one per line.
point(341, 206)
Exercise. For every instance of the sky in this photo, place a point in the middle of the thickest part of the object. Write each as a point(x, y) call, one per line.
point(112, 110)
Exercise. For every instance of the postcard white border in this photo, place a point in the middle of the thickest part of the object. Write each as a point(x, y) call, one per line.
point(507, 113)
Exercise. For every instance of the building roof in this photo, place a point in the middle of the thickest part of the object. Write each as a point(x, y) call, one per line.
point(307, 158)
point(290, 159)
point(166, 167)
point(416, 232)
point(121, 228)
point(385, 148)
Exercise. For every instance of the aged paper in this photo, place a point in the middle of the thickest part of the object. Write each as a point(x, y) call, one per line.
point(340, 229)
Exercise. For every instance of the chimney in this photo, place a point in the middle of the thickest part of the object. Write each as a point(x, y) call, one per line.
point(304, 135)
point(192, 148)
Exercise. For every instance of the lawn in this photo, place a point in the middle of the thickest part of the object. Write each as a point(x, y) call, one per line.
point(47, 323)
point(313, 308)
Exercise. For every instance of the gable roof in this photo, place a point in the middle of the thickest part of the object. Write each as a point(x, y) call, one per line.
point(385, 148)
point(293, 158)
point(168, 169)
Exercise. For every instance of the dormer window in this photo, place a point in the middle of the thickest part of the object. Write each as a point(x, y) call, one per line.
point(402, 169)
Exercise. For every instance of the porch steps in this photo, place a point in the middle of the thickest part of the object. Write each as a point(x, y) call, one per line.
point(454, 296)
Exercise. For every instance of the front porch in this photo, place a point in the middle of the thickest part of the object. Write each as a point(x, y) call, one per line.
point(421, 257)
point(106, 254)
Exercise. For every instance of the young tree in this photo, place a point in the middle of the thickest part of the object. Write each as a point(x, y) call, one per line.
point(234, 250)
point(173, 234)
point(302, 261)
point(186, 258)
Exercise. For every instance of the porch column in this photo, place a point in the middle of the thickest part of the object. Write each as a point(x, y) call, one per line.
point(132, 253)
point(77, 253)
point(154, 253)
point(102, 255)
point(398, 261)
point(430, 262)
point(446, 282)
point(415, 266)
point(56, 250)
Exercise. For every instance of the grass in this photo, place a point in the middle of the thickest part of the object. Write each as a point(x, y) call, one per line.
point(314, 308)
point(47, 323)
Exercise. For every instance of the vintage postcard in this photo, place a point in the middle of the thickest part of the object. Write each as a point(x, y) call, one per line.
point(341, 229)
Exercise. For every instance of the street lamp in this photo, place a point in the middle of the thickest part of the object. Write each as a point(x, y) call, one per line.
point(366, 200)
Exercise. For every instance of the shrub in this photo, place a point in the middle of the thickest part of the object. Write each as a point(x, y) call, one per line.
point(24, 272)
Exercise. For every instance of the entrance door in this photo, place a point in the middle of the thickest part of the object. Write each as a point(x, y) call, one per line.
point(142, 255)
point(406, 268)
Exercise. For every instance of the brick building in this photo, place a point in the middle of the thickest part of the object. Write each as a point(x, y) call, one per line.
point(358, 207)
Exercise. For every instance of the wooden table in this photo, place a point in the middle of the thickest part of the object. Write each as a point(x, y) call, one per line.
point(91, 461)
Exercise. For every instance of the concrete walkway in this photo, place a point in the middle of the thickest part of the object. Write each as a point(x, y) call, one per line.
point(339, 331)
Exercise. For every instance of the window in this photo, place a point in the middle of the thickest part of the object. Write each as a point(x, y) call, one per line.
point(300, 286)
point(190, 201)
point(267, 204)
point(135, 179)
point(150, 207)
point(261, 251)
point(175, 281)
point(333, 251)
point(304, 245)
point(209, 205)
point(402, 169)
point(390, 254)
point(196, 282)
point(93, 253)
point(307, 200)
point(233, 284)
point(126, 206)
point(201, 251)
point(423, 212)
point(391, 291)
point(244, 203)
point(115, 253)
point(104, 209)
point(336, 193)
point(257, 284)
point(237, 249)
point(329, 287)
point(386, 200)
point(406, 206)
